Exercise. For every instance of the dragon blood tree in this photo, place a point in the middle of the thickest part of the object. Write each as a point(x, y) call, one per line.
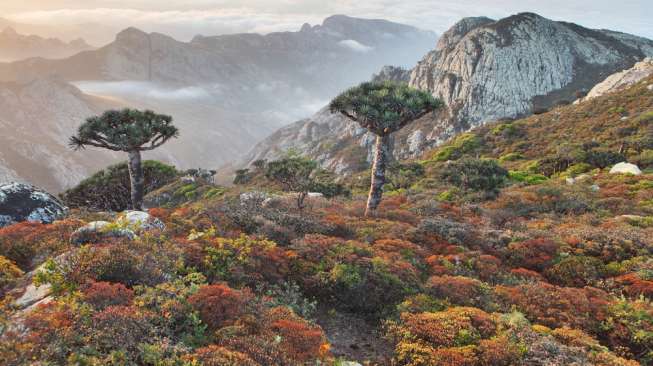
point(383, 108)
point(131, 131)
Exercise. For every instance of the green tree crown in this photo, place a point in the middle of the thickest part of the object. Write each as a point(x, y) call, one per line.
point(125, 130)
point(384, 107)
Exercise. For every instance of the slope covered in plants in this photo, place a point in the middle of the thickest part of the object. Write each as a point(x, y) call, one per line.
point(481, 253)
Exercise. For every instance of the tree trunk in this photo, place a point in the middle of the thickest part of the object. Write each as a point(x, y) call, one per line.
point(381, 159)
point(136, 179)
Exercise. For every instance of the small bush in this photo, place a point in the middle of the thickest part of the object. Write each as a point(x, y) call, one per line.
point(104, 294)
point(219, 305)
point(475, 174)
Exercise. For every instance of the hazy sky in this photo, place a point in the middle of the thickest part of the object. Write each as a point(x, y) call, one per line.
point(185, 18)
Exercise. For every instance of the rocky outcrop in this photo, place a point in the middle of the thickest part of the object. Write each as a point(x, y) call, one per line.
point(621, 79)
point(128, 225)
point(486, 70)
point(392, 73)
point(22, 202)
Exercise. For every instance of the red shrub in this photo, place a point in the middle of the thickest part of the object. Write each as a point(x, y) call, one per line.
point(555, 307)
point(457, 289)
point(635, 286)
point(23, 241)
point(534, 254)
point(103, 294)
point(220, 356)
point(526, 274)
point(220, 305)
point(300, 340)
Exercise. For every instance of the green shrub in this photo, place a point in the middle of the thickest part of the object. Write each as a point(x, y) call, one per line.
point(525, 177)
point(511, 157)
point(475, 174)
point(109, 189)
point(460, 146)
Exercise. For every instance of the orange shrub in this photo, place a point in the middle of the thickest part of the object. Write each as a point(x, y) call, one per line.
point(634, 286)
point(458, 290)
point(23, 241)
point(534, 254)
point(526, 274)
point(498, 351)
point(300, 340)
point(220, 305)
point(453, 327)
point(556, 306)
point(220, 356)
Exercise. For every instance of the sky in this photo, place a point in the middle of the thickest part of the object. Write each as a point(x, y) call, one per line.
point(185, 18)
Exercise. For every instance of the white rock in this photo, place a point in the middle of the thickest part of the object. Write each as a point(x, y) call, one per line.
point(33, 295)
point(95, 230)
point(625, 168)
point(141, 221)
point(622, 79)
point(254, 196)
point(650, 87)
point(188, 179)
point(315, 195)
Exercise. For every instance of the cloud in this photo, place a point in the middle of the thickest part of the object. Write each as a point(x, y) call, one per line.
point(184, 19)
point(355, 46)
point(142, 89)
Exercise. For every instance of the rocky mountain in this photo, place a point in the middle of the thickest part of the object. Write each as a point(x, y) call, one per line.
point(37, 119)
point(15, 46)
point(93, 33)
point(484, 70)
point(225, 92)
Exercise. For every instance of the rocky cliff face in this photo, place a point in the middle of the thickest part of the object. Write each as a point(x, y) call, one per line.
point(484, 70)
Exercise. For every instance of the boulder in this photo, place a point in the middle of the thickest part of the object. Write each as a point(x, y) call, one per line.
point(95, 231)
point(22, 202)
point(140, 221)
point(33, 295)
point(625, 168)
point(253, 197)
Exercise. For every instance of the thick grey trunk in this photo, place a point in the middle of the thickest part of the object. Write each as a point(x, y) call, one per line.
point(381, 159)
point(136, 179)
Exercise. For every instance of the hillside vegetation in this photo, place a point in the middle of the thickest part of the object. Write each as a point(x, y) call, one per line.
point(483, 252)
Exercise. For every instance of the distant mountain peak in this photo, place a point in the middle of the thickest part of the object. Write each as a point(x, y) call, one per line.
point(9, 31)
point(130, 33)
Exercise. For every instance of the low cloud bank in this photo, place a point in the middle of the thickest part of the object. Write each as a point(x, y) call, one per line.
point(143, 89)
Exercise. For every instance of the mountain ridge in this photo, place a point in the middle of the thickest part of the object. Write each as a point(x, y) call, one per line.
point(467, 69)
point(225, 92)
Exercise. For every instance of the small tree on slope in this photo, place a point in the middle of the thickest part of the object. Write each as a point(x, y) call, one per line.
point(131, 131)
point(383, 108)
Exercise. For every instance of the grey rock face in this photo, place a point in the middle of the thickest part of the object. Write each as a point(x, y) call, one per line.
point(22, 202)
point(486, 70)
